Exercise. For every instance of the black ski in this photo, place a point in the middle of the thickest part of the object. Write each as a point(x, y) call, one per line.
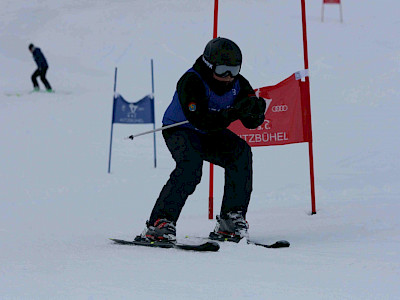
point(277, 244)
point(237, 239)
point(203, 246)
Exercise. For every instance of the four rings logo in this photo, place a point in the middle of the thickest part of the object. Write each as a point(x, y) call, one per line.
point(280, 108)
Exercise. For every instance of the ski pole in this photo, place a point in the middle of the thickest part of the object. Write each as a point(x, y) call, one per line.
point(131, 137)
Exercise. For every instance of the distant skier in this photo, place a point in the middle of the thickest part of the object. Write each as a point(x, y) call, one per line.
point(41, 70)
point(210, 95)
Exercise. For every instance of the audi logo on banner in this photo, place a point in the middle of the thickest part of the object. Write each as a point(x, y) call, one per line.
point(280, 108)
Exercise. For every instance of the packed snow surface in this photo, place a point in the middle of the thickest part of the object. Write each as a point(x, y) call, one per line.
point(59, 206)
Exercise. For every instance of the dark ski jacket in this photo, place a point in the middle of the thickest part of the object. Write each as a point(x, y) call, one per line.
point(39, 59)
point(194, 100)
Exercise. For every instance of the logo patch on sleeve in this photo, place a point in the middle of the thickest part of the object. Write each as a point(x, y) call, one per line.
point(192, 106)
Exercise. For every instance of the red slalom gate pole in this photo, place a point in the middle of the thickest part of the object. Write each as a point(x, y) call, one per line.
point(211, 188)
point(307, 81)
point(215, 31)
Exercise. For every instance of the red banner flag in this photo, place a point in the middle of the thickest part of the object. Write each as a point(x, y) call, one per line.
point(287, 117)
point(331, 1)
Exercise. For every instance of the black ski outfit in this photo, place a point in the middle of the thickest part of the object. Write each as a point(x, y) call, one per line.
point(42, 67)
point(206, 138)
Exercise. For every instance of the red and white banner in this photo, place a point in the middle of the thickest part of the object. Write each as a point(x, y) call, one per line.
point(331, 2)
point(287, 118)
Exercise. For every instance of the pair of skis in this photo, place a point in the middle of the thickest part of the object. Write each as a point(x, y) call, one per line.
point(202, 246)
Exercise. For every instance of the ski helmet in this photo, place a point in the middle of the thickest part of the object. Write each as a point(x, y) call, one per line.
point(223, 56)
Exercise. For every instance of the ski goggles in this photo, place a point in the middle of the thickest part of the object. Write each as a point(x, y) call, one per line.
point(224, 70)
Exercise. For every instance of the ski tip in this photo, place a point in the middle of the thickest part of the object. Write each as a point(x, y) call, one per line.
point(277, 244)
point(281, 244)
point(118, 241)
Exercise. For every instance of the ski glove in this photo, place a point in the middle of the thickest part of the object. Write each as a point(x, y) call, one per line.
point(250, 107)
point(252, 112)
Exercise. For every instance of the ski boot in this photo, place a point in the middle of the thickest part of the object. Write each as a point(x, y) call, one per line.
point(161, 231)
point(232, 227)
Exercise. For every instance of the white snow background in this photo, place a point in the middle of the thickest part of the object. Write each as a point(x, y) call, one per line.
point(58, 205)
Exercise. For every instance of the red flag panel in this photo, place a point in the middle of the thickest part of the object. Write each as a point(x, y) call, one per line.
point(331, 1)
point(286, 119)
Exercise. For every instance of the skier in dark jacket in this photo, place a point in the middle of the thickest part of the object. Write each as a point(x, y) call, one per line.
point(210, 95)
point(41, 70)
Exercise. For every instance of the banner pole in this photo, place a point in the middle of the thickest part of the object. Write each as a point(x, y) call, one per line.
point(307, 82)
point(211, 188)
point(215, 30)
point(341, 12)
point(154, 118)
point(112, 121)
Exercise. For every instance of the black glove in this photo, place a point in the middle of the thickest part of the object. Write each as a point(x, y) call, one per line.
point(253, 113)
point(259, 107)
point(250, 106)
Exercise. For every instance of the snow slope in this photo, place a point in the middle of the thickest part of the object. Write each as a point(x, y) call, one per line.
point(58, 205)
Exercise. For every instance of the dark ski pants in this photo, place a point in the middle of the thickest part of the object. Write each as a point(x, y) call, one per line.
point(189, 149)
point(42, 74)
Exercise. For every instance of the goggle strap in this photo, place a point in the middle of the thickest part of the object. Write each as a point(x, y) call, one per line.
point(210, 65)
